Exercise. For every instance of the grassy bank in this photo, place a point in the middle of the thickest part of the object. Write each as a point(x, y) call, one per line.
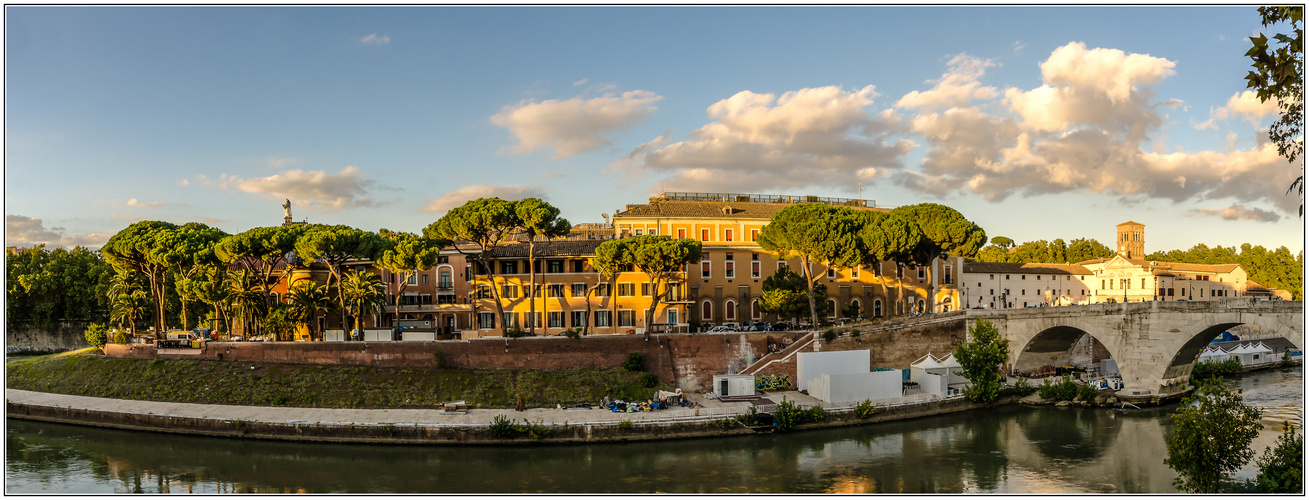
point(86, 373)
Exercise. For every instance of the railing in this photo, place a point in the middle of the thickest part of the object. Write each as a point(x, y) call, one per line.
point(765, 198)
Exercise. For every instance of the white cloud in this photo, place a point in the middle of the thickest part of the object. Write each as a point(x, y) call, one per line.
point(1099, 87)
point(580, 83)
point(1237, 212)
point(1019, 46)
point(574, 126)
point(317, 189)
point(375, 39)
point(809, 137)
point(148, 204)
point(959, 86)
point(452, 199)
point(1244, 104)
point(21, 231)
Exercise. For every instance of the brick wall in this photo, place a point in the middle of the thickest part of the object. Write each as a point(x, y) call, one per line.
point(690, 360)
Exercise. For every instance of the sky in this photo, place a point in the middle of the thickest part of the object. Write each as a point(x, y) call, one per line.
point(1034, 122)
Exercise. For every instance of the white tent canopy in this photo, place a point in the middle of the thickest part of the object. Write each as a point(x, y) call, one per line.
point(925, 363)
point(951, 368)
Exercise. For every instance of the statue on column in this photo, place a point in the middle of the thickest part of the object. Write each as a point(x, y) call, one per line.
point(286, 209)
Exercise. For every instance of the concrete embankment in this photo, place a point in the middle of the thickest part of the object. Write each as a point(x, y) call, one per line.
point(425, 426)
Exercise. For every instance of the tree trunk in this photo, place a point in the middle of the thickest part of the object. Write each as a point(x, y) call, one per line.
point(655, 299)
point(809, 282)
point(531, 272)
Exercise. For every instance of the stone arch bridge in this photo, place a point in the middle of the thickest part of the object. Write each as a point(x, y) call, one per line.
point(1155, 344)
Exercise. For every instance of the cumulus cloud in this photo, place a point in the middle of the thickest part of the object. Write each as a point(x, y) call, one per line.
point(574, 126)
point(819, 136)
point(1104, 88)
point(1244, 104)
point(1237, 212)
point(317, 189)
point(22, 231)
point(452, 199)
point(959, 86)
point(375, 39)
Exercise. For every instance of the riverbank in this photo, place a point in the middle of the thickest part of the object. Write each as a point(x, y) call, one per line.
point(428, 426)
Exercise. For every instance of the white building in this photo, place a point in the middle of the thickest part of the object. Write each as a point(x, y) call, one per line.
point(1001, 285)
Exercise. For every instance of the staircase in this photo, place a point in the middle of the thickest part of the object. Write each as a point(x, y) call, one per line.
point(781, 356)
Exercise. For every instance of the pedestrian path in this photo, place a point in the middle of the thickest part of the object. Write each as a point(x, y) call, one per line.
point(346, 416)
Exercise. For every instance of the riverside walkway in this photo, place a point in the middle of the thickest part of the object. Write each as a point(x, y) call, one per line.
point(475, 417)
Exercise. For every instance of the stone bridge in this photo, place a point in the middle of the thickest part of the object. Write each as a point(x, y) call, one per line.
point(1155, 344)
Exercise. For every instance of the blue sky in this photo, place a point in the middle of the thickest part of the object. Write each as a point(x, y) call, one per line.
point(1035, 122)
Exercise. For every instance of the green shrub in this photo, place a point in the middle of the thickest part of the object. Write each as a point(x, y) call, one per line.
point(726, 424)
point(502, 427)
point(572, 334)
point(1206, 370)
point(97, 334)
point(1066, 390)
point(817, 414)
point(865, 409)
point(635, 362)
point(625, 424)
point(649, 379)
point(829, 334)
point(120, 337)
point(751, 417)
point(515, 332)
point(1019, 388)
point(787, 415)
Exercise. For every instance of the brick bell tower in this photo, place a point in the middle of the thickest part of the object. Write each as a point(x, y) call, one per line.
point(1131, 240)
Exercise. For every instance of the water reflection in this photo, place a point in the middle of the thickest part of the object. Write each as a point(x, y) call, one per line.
point(1008, 449)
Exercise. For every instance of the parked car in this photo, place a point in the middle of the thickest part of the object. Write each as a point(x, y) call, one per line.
point(781, 326)
point(721, 329)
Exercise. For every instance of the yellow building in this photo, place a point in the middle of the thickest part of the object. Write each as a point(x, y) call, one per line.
point(725, 289)
point(1129, 277)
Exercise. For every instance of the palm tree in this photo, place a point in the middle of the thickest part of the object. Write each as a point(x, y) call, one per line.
point(247, 297)
point(307, 300)
point(363, 293)
point(127, 307)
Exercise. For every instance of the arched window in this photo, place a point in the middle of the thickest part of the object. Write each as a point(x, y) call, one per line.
point(729, 310)
point(921, 306)
point(707, 311)
point(858, 307)
point(831, 308)
point(755, 314)
point(877, 308)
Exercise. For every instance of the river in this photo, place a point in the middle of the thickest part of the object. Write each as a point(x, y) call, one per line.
point(1011, 449)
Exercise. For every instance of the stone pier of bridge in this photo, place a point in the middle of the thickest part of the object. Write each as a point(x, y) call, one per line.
point(1155, 344)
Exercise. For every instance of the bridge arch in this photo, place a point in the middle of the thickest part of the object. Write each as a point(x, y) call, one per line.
point(1178, 371)
point(1053, 346)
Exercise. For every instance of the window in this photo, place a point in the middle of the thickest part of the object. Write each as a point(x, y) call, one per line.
point(577, 266)
point(554, 290)
point(578, 319)
point(485, 320)
point(877, 308)
point(1024, 276)
point(729, 269)
point(645, 289)
point(831, 272)
point(754, 235)
point(672, 316)
point(681, 233)
point(443, 259)
point(468, 273)
point(728, 235)
point(755, 313)
point(413, 279)
point(579, 290)
point(831, 308)
point(556, 319)
point(509, 292)
point(626, 317)
point(922, 272)
point(509, 267)
point(483, 292)
point(754, 268)
point(947, 276)
point(854, 272)
point(510, 320)
point(638, 232)
point(603, 290)
point(424, 278)
point(857, 308)
point(603, 318)
point(704, 269)
point(704, 235)
point(532, 320)
point(707, 310)
point(554, 266)
point(781, 264)
point(1142, 283)
point(992, 291)
point(729, 310)
point(626, 289)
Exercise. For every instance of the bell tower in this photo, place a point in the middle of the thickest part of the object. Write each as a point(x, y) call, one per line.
point(1131, 240)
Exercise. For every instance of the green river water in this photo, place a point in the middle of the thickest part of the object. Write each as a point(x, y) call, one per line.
point(1010, 449)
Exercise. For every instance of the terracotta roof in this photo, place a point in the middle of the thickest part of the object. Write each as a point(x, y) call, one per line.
point(553, 248)
point(711, 209)
point(1173, 266)
point(971, 266)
